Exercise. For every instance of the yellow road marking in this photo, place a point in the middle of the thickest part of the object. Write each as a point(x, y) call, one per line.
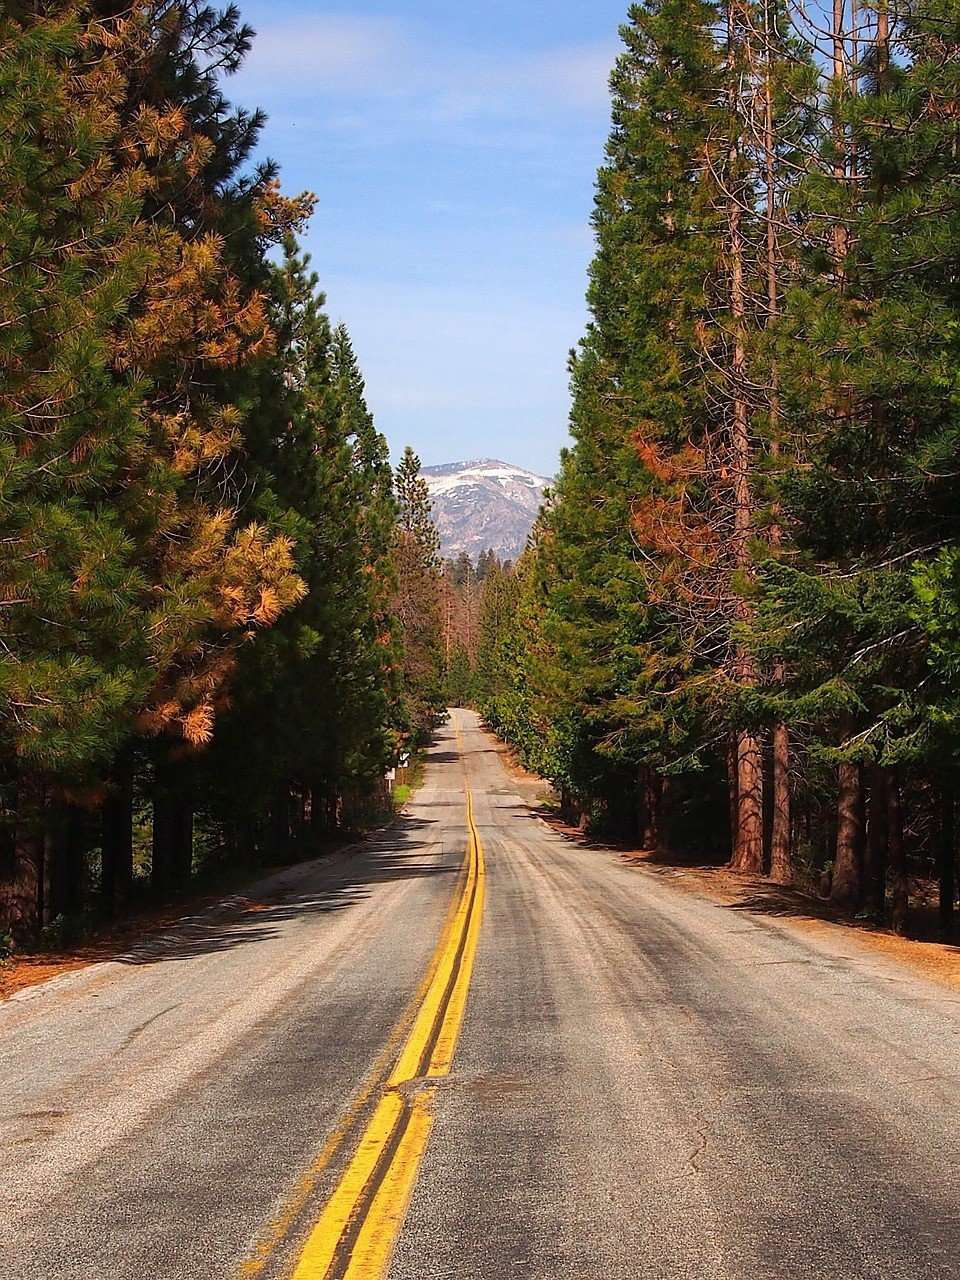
point(267, 1246)
point(379, 1077)
point(442, 1056)
point(410, 1059)
point(371, 1199)
point(383, 1222)
point(318, 1257)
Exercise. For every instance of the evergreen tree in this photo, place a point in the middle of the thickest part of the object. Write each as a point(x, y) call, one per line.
point(416, 604)
point(75, 257)
point(185, 448)
point(200, 339)
point(278, 761)
point(628, 530)
point(871, 392)
point(752, 542)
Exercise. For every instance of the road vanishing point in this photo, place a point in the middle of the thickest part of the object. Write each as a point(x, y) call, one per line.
point(469, 1049)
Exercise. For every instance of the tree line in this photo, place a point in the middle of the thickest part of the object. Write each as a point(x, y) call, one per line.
point(214, 593)
point(738, 627)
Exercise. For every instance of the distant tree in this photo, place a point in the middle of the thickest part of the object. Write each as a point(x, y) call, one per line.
point(417, 606)
point(415, 518)
point(458, 677)
point(463, 572)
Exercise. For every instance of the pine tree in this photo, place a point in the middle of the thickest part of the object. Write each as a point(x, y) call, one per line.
point(200, 338)
point(278, 761)
point(137, 330)
point(378, 658)
point(416, 605)
point(76, 255)
point(752, 542)
point(652, 555)
point(626, 530)
point(868, 385)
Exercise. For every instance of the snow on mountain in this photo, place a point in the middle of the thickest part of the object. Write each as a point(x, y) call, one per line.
point(484, 505)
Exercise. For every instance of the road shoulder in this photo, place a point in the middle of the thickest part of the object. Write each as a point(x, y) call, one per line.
point(24, 975)
point(786, 909)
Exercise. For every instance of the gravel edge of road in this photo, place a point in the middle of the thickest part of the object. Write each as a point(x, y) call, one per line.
point(938, 962)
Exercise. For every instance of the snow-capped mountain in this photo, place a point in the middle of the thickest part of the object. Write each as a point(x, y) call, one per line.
point(484, 506)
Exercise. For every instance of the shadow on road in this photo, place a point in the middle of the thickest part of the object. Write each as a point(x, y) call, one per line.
point(774, 900)
point(444, 757)
point(765, 899)
point(654, 858)
point(340, 883)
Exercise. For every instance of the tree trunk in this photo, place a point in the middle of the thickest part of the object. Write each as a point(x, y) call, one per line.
point(318, 813)
point(847, 888)
point(280, 820)
point(781, 841)
point(748, 833)
point(182, 839)
point(23, 907)
point(899, 888)
point(642, 805)
point(564, 800)
point(841, 88)
point(116, 868)
point(875, 862)
point(882, 45)
point(654, 836)
point(748, 839)
point(947, 860)
point(172, 827)
point(303, 814)
point(781, 832)
point(732, 790)
point(245, 840)
point(162, 844)
point(7, 865)
point(651, 832)
point(70, 846)
point(653, 806)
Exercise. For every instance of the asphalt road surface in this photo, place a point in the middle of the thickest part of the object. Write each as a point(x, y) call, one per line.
point(646, 1083)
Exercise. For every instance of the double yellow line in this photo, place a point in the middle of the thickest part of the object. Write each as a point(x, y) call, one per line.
point(358, 1229)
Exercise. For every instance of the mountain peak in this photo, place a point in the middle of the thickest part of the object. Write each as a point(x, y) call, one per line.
point(484, 505)
point(447, 467)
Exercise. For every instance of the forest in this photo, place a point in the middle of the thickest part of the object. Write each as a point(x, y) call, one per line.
point(372, 910)
point(736, 630)
point(218, 603)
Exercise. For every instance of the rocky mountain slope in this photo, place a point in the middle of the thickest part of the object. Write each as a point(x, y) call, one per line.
point(484, 505)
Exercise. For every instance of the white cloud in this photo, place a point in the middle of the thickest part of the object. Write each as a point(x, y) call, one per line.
point(380, 64)
point(325, 53)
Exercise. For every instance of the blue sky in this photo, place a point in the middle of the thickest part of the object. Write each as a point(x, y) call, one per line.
point(453, 148)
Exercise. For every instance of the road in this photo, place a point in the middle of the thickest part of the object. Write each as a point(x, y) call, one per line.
point(645, 1083)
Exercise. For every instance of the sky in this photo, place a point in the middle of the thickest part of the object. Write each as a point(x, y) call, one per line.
point(453, 148)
